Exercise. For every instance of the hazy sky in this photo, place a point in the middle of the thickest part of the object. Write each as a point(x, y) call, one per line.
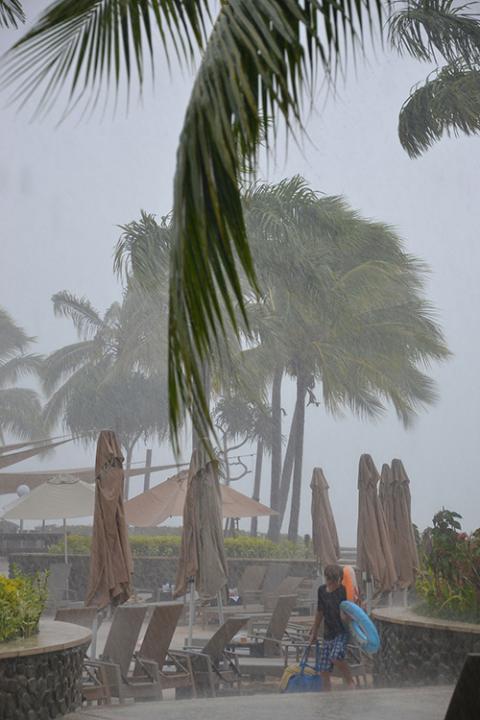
point(64, 191)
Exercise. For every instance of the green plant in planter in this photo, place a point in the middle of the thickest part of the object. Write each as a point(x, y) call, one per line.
point(22, 600)
point(449, 580)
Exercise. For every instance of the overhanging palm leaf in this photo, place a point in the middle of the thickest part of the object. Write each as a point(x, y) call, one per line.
point(448, 103)
point(11, 13)
point(260, 58)
point(449, 100)
point(427, 29)
point(89, 44)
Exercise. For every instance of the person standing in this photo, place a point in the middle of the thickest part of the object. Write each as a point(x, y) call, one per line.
point(335, 635)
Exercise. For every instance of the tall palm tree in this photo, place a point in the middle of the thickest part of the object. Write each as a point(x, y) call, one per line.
point(343, 308)
point(258, 59)
point(90, 383)
point(447, 34)
point(20, 408)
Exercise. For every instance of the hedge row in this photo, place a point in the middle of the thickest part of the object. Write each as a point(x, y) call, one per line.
point(169, 546)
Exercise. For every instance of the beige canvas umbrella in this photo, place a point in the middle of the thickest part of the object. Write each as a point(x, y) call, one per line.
point(324, 532)
point(111, 564)
point(59, 498)
point(374, 554)
point(202, 564)
point(403, 541)
point(385, 493)
point(167, 500)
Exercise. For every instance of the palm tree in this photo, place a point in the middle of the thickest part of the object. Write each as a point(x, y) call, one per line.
point(96, 382)
point(20, 408)
point(343, 308)
point(258, 59)
point(446, 34)
point(11, 13)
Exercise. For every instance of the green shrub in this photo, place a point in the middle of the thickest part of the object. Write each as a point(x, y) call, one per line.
point(169, 546)
point(449, 580)
point(22, 600)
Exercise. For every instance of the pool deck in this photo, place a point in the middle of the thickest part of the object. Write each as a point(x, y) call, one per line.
point(429, 703)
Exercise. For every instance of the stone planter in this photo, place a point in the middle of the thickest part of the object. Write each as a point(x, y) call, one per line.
point(418, 650)
point(40, 675)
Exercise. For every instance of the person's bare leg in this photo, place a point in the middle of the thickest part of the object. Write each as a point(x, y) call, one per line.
point(344, 669)
point(326, 683)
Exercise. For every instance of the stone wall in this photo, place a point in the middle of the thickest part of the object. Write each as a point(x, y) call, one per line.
point(40, 687)
point(149, 572)
point(430, 653)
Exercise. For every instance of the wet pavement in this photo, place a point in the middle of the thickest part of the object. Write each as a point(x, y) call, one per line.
point(406, 704)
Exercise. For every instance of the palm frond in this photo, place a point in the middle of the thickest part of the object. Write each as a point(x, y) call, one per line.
point(13, 339)
point(65, 361)
point(20, 413)
point(91, 44)
point(15, 368)
point(86, 319)
point(11, 13)
point(448, 103)
point(427, 29)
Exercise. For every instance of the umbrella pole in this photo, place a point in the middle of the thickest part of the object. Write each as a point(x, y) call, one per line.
point(221, 618)
point(65, 553)
point(191, 611)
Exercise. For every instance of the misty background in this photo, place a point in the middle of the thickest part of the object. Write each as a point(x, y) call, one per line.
point(64, 191)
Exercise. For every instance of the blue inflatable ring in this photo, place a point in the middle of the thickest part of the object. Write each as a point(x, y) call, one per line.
point(362, 627)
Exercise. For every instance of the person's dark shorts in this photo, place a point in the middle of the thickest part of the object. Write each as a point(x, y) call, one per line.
point(331, 650)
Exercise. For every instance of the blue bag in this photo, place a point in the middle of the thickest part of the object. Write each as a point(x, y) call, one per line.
point(303, 677)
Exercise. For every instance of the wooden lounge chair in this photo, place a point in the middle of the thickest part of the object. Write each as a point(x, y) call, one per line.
point(258, 668)
point(57, 583)
point(113, 666)
point(250, 583)
point(268, 643)
point(214, 664)
point(290, 585)
point(156, 668)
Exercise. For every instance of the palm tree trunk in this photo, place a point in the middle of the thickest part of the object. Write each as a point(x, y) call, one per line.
point(128, 463)
point(288, 466)
point(297, 472)
point(256, 484)
point(273, 527)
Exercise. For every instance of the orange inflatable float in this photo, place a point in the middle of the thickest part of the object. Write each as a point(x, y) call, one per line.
point(349, 582)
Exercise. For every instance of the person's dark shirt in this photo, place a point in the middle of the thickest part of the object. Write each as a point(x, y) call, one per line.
point(329, 605)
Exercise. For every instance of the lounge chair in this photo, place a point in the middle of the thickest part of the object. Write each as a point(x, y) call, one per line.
point(113, 667)
point(214, 664)
point(57, 587)
point(250, 583)
point(156, 668)
point(268, 642)
point(290, 585)
point(88, 617)
point(258, 668)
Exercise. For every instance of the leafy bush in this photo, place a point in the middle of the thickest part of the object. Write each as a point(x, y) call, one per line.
point(22, 600)
point(169, 546)
point(449, 580)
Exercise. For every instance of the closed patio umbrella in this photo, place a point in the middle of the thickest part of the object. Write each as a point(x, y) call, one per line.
point(202, 564)
point(324, 532)
point(403, 541)
point(385, 493)
point(167, 500)
point(111, 563)
point(374, 554)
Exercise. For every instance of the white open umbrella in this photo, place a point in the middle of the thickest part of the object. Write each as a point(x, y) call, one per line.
point(59, 498)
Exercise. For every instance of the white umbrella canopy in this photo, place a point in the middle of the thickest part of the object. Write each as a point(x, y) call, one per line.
point(60, 497)
point(63, 497)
